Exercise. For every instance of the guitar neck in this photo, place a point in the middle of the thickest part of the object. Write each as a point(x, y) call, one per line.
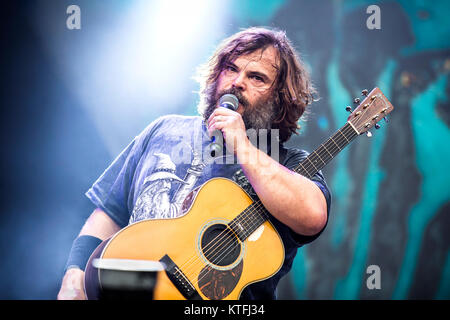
point(256, 214)
point(320, 157)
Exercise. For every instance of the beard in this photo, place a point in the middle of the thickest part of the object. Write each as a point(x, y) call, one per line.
point(255, 116)
point(161, 204)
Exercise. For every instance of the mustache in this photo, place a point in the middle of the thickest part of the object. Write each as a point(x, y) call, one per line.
point(242, 100)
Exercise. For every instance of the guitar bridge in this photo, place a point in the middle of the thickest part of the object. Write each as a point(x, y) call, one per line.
point(179, 280)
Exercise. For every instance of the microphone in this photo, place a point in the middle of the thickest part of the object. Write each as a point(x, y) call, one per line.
point(229, 101)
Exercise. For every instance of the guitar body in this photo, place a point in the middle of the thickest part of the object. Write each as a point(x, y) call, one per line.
point(212, 258)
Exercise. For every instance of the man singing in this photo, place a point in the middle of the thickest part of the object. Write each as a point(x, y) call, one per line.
point(260, 67)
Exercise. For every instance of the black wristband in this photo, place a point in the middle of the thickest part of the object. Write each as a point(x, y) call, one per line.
point(82, 248)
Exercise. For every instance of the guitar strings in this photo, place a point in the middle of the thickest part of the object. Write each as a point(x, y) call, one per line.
point(230, 243)
point(222, 242)
point(338, 147)
point(309, 167)
point(230, 248)
point(218, 241)
point(307, 171)
point(256, 206)
point(225, 240)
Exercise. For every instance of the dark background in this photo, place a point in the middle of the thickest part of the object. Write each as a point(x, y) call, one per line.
point(72, 99)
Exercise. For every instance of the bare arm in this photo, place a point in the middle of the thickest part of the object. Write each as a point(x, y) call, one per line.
point(99, 225)
point(290, 197)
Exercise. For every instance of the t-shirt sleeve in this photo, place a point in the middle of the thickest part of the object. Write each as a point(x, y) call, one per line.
point(111, 191)
point(292, 161)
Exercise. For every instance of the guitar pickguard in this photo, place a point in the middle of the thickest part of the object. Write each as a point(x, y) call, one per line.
point(217, 284)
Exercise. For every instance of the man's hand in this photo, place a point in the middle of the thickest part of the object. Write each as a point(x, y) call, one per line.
point(72, 287)
point(232, 126)
point(99, 225)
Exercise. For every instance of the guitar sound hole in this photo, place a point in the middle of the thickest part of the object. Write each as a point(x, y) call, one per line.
point(219, 245)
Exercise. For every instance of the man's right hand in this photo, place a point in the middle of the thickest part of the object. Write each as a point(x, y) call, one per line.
point(72, 287)
point(99, 225)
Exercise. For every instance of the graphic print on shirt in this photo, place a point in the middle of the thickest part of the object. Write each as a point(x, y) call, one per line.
point(154, 201)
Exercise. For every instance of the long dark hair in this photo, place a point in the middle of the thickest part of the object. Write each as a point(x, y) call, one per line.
point(292, 90)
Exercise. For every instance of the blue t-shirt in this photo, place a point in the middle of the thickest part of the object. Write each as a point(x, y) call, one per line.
point(155, 173)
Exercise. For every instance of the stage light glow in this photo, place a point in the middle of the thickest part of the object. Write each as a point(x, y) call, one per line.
point(158, 46)
point(132, 61)
point(150, 59)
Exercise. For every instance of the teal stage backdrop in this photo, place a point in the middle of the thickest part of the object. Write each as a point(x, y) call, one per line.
point(391, 192)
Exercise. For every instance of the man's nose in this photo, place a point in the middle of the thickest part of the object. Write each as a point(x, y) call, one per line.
point(239, 81)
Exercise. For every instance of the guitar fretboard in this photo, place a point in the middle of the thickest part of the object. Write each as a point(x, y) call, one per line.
point(256, 214)
point(320, 157)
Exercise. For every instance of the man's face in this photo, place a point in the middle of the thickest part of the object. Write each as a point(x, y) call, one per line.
point(251, 77)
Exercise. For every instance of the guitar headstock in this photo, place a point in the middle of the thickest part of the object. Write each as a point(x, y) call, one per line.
point(370, 111)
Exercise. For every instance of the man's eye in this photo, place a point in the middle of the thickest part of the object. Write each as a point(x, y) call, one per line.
point(258, 78)
point(230, 68)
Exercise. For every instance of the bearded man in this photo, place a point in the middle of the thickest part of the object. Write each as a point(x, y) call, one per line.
point(260, 67)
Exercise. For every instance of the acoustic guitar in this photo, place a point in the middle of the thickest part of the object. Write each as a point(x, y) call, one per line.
point(223, 244)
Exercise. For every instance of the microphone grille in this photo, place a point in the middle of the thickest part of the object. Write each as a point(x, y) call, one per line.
point(229, 101)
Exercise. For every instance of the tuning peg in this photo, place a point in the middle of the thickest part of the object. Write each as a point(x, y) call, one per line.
point(377, 126)
point(369, 134)
point(356, 101)
point(386, 119)
point(365, 92)
point(348, 108)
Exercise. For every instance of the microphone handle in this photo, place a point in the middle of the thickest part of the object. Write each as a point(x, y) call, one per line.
point(215, 148)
